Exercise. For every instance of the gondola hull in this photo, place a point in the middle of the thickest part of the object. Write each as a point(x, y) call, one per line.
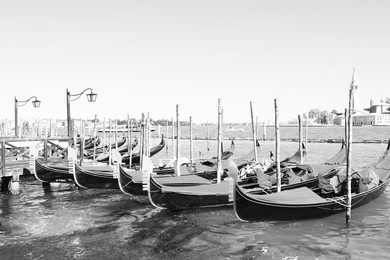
point(304, 203)
point(135, 158)
point(163, 197)
point(249, 209)
point(127, 184)
point(48, 173)
point(177, 201)
point(95, 179)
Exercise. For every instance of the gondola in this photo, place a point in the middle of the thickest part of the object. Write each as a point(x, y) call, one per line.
point(304, 203)
point(292, 160)
point(103, 157)
point(225, 155)
point(190, 192)
point(103, 177)
point(100, 149)
point(130, 181)
point(57, 170)
point(93, 141)
point(135, 157)
point(296, 175)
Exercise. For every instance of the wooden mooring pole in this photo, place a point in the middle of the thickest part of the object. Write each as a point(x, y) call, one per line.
point(166, 143)
point(306, 131)
point(208, 136)
point(254, 130)
point(173, 139)
point(131, 143)
point(109, 141)
point(142, 137)
point(277, 150)
point(219, 151)
point(94, 137)
point(300, 139)
point(349, 160)
point(191, 144)
point(177, 165)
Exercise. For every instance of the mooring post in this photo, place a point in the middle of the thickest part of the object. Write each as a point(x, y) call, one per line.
point(254, 134)
point(82, 143)
point(349, 160)
point(166, 143)
point(116, 134)
point(306, 132)
point(277, 150)
point(131, 143)
point(149, 135)
point(109, 141)
point(45, 153)
point(208, 136)
point(95, 135)
point(177, 141)
point(191, 144)
point(346, 127)
point(300, 139)
point(173, 139)
point(104, 135)
point(219, 151)
point(142, 135)
point(3, 157)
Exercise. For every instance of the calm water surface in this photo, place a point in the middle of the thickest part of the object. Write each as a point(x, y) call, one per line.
point(72, 223)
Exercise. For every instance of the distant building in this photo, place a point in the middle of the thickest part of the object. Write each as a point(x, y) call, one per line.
point(378, 114)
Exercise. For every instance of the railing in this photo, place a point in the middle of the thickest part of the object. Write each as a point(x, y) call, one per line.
point(22, 159)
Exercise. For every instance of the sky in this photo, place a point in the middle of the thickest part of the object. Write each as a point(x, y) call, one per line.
point(149, 56)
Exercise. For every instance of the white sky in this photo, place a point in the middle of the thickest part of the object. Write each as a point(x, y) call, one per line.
point(148, 56)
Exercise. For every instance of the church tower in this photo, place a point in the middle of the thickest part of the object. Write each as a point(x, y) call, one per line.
point(356, 93)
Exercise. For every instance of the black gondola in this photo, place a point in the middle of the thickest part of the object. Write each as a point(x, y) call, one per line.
point(304, 203)
point(58, 170)
point(103, 177)
point(181, 193)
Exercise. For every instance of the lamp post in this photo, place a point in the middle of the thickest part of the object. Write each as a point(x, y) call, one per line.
point(91, 97)
point(36, 103)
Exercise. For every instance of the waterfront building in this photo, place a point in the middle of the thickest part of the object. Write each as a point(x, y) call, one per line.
point(378, 114)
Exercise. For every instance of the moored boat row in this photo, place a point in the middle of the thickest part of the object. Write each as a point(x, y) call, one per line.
point(249, 188)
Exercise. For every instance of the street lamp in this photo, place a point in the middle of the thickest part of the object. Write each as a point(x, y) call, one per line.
point(36, 103)
point(91, 97)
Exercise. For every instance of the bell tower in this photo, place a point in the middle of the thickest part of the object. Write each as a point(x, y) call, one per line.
point(356, 93)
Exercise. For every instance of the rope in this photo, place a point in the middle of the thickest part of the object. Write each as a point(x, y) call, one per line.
point(344, 204)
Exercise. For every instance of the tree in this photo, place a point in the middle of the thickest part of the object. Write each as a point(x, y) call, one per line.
point(314, 113)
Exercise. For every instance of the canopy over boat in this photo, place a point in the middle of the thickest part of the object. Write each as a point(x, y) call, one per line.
point(221, 188)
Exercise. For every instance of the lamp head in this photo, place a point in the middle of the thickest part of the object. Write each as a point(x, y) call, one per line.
point(91, 97)
point(36, 103)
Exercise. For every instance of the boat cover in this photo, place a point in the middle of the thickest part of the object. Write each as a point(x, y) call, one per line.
point(298, 196)
point(101, 168)
point(221, 188)
point(339, 158)
point(182, 180)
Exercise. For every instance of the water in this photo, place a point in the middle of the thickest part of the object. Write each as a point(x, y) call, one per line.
point(72, 223)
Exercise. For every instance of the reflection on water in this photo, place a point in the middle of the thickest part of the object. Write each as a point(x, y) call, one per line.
point(72, 223)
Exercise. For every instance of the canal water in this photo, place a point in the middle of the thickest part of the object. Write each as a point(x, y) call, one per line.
point(73, 223)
